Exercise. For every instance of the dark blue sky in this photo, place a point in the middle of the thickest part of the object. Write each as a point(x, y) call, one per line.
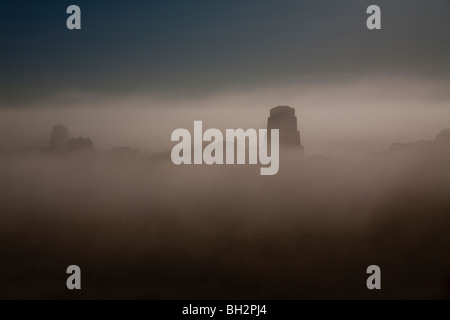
point(196, 47)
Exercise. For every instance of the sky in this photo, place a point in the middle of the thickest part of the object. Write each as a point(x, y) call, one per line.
point(178, 55)
point(201, 46)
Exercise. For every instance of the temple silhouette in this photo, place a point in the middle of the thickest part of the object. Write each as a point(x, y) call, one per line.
point(284, 119)
point(60, 140)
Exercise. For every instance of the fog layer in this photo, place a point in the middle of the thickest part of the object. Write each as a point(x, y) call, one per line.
point(348, 118)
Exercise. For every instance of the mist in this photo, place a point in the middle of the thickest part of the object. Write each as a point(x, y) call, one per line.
point(335, 119)
point(141, 227)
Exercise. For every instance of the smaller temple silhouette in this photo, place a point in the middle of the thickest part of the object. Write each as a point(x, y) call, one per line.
point(60, 140)
point(284, 119)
